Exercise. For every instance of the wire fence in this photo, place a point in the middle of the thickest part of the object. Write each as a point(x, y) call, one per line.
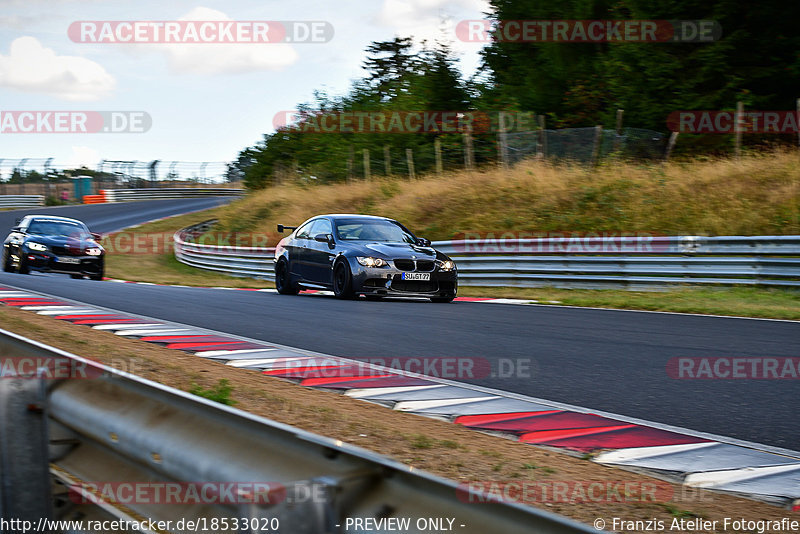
point(126, 173)
point(465, 151)
point(411, 157)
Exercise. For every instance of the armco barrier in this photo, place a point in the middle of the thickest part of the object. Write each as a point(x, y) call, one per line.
point(755, 261)
point(127, 195)
point(94, 199)
point(21, 201)
point(66, 438)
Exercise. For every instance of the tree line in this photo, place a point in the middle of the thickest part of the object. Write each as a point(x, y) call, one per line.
point(756, 60)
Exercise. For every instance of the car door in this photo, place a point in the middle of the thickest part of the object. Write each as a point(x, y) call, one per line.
point(298, 263)
point(319, 255)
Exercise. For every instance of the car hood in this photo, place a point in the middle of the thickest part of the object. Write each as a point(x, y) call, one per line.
point(395, 250)
point(70, 242)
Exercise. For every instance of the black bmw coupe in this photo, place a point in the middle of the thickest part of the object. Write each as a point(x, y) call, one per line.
point(53, 244)
point(362, 255)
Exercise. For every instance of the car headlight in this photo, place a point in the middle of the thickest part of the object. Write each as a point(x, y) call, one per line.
point(368, 261)
point(37, 246)
point(447, 265)
point(93, 251)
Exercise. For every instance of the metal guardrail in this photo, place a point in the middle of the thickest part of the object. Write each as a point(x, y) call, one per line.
point(648, 262)
point(64, 439)
point(21, 201)
point(126, 195)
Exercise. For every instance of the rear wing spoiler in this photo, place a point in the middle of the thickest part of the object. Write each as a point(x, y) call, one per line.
point(282, 227)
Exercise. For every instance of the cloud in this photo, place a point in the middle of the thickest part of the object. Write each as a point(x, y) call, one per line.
point(429, 19)
point(17, 22)
point(31, 67)
point(210, 59)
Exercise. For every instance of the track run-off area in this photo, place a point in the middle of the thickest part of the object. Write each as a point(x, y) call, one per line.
point(609, 360)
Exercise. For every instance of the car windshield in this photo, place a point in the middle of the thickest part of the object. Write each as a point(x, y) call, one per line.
point(372, 230)
point(61, 228)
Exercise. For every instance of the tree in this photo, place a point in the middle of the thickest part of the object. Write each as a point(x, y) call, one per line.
point(389, 67)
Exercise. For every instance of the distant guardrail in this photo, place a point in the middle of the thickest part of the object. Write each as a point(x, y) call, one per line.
point(21, 201)
point(127, 195)
point(71, 426)
point(647, 262)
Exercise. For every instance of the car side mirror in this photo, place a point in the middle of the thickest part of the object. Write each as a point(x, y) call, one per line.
point(423, 242)
point(16, 229)
point(96, 236)
point(325, 238)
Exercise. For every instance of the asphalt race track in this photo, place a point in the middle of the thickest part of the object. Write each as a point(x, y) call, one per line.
point(105, 218)
point(614, 361)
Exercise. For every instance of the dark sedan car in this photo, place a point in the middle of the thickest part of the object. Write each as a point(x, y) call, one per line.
point(362, 255)
point(53, 244)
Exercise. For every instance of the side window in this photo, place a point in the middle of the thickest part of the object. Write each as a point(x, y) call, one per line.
point(304, 231)
point(321, 226)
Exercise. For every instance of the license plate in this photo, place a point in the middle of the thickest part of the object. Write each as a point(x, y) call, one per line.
point(68, 260)
point(416, 276)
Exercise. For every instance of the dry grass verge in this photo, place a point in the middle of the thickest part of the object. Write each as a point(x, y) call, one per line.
point(442, 448)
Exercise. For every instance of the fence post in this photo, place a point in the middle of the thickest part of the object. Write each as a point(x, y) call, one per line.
point(367, 174)
point(25, 488)
point(437, 149)
point(350, 157)
point(673, 138)
point(502, 149)
point(542, 138)
point(469, 157)
point(598, 137)
point(387, 160)
point(410, 161)
point(737, 125)
point(618, 137)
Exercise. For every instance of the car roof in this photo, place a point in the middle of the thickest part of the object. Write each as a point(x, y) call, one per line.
point(353, 216)
point(52, 218)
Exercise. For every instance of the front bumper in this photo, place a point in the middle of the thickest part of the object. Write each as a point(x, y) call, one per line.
point(51, 263)
point(387, 282)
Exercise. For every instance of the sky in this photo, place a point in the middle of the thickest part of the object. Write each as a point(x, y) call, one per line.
point(202, 101)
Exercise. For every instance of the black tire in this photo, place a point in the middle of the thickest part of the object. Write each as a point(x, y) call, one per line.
point(342, 281)
point(98, 275)
point(283, 281)
point(443, 299)
point(22, 267)
point(7, 266)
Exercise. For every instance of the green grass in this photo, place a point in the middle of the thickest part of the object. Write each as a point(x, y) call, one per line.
point(762, 179)
point(220, 393)
point(736, 301)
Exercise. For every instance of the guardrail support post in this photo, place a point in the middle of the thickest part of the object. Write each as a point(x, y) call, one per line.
point(25, 491)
